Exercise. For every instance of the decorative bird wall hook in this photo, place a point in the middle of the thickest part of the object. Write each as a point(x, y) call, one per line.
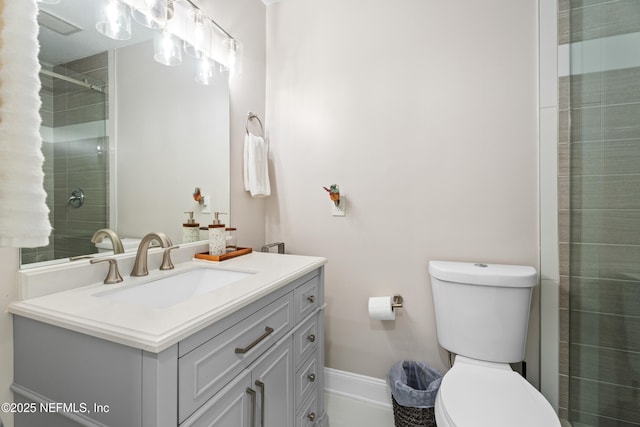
point(197, 195)
point(334, 193)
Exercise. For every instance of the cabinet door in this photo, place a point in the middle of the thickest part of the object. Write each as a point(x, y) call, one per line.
point(233, 406)
point(204, 371)
point(272, 378)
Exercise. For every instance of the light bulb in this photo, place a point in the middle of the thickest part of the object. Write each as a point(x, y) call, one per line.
point(196, 34)
point(151, 14)
point(114, 20)
point(166, 47)
point(205, 70)
point(235, 57)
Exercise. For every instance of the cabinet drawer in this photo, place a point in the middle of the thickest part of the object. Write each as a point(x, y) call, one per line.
point(308, 413)
point(206, 369)
point(305, 340)
point(307, 377)
point(306, 298)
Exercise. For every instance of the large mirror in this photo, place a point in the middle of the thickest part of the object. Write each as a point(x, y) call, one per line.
point(126, 140)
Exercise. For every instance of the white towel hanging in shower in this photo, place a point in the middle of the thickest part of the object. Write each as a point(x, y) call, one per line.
point(24, 215)
point(256, 166)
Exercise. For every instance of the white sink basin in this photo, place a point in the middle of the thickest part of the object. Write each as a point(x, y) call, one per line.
point(171, 290)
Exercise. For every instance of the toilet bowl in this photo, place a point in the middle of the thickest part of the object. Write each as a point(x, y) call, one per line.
point(484, 394)
point(482, 314)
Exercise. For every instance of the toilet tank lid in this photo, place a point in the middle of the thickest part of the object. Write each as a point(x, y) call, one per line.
point(128, 243)
point(516, 276)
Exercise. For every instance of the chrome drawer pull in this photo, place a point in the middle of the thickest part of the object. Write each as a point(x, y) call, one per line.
point(252, 393)
point(261, 385)
point(267, 331)
point(311, 416)
point(311, 299)
point(311, 377)
point(311, 338)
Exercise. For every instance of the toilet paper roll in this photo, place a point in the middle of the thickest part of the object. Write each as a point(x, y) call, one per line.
point(380, 308)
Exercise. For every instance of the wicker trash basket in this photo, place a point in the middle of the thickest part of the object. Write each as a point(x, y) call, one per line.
point(414, 387)
point(407, 416)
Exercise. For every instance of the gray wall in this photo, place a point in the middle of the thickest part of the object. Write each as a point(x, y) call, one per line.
point(425, 114)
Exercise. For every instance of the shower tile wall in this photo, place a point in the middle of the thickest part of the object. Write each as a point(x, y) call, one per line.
point(600, 226)
point(76, 104)
point(76, 162)
point(80, 163)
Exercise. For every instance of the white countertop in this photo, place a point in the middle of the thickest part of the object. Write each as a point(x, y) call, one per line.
point(155, 329)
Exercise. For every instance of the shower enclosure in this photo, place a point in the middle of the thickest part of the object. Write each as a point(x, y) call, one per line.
point(75, 146)
point(599, 116)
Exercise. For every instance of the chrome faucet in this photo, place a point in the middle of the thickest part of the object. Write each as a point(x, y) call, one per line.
point(140, 265)
point(99, 235)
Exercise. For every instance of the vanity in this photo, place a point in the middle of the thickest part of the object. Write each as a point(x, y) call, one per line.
point(247, 352)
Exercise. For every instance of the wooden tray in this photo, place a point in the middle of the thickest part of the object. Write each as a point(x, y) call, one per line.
point(228, 255)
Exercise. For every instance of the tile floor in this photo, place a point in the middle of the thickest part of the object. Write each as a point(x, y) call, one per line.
point(346, 411)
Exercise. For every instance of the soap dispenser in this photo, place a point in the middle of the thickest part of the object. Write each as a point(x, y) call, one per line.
point(190, 230)
point(217, 236)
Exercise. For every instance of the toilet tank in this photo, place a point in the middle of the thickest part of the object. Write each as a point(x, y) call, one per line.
point(482, 310)
point(128, 243)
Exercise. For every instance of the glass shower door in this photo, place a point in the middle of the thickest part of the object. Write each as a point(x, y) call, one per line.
point(604, 257)
point(75, 146)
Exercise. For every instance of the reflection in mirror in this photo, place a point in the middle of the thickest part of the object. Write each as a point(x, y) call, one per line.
point(125, 139)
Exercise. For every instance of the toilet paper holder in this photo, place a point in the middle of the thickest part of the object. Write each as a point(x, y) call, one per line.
point(385, 307)
point(397, 302)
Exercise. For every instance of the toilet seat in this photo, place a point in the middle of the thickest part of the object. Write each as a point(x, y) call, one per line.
point(482, 394)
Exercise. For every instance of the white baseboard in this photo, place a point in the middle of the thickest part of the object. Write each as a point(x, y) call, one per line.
point(356, 386)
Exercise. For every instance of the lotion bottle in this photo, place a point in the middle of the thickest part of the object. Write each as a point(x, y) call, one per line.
point(217, 236)
point(190, 230)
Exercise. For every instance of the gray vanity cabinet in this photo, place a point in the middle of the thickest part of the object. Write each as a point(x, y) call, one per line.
point(206, 369)
point(261, 366)
point(59, 376)
point(272, 380)
point(260, 396)
point(230, 408)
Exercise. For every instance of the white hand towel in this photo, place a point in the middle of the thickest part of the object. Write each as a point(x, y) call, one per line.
point(256, 166)
point(246, 162)
point(24, 220)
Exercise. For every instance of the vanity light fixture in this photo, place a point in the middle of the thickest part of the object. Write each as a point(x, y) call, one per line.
point(152, 13)
point(114, 20)
point(49, 1)
point(235, 56)
point(166, 47)
point(228, 58)
point(179, 22)
point(196, 27)
point(206, 70)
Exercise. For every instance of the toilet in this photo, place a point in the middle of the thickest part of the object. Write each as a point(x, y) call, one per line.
point(482, 314)
point(128, 243)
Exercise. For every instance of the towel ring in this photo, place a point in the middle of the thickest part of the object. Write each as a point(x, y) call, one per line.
point(250, 117)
